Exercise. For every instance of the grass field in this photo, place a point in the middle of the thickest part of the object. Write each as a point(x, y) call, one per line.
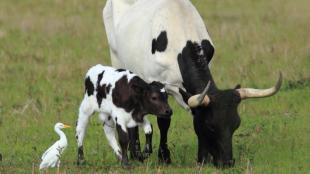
point(47, 46)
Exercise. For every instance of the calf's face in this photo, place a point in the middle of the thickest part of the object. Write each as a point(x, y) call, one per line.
point(154, 99)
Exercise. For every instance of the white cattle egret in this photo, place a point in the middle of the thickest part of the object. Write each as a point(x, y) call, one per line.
point(51, 157)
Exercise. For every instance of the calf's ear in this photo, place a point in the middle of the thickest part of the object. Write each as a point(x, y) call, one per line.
point(139, 86)
point(157, 85)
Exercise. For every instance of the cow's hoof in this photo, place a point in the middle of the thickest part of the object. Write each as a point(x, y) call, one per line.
point(81, 162)
point(164, 155)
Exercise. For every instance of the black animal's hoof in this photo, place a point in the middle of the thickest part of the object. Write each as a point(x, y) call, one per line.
point(164, 155)
point(125, 163)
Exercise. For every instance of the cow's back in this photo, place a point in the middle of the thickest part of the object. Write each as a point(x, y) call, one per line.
point(136, 30)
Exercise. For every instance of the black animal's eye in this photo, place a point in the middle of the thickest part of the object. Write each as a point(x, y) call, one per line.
point(154, 98)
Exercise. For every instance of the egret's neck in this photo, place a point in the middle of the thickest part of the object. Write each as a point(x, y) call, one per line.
point(61, 134)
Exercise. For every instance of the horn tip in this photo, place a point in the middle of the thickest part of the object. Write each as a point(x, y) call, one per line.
point(280, 80)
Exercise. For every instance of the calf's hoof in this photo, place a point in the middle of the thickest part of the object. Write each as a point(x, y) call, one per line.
point(81, 162)
point(137, 156)
point(147, 152)
point(164, 155)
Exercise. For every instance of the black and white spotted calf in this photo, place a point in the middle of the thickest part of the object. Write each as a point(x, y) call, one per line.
point(123, 100)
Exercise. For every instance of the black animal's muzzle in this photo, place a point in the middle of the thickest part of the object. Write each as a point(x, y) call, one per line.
point(168, 112)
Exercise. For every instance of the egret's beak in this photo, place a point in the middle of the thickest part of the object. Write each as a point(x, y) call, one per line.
point(66, 126)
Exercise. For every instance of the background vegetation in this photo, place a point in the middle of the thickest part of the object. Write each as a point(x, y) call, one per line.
point(47, 46)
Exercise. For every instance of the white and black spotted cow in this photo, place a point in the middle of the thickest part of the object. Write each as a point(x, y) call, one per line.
point(122, 100)
point(167, 41)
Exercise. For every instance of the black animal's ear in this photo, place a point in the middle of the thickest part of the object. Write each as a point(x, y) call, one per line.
point(185, 95)
point(238, 86)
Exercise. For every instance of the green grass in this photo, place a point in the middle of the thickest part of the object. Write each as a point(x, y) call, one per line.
point(47, 46)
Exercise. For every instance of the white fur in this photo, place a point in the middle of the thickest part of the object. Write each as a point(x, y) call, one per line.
point(107, 109)
point(131, 26)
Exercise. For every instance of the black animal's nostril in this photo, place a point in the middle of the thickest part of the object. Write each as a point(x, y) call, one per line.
point(168, 112)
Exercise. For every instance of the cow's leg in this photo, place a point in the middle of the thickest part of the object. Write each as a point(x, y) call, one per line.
point(163, 151)
point(123, 140)
point(148, 131)
point(85, 111)
point(134, 144)
point(109, 130)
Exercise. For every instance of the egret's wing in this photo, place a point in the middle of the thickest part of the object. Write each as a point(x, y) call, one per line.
point(50, 156)
point(54, 146)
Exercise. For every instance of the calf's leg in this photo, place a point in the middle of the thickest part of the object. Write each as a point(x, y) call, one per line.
point(123, 140)
point(148, 131)
point(85, 111)
point(134, 144)
point(109, 130)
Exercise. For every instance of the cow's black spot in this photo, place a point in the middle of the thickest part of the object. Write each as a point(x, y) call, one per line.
point(208, 49)
point(108, 88)
point(89, 86)
point(160, 44)
point(120, 70)
point(101, 90)
point(116, 119)
point(109, 118)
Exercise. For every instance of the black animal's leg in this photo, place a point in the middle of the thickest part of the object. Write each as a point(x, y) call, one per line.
point(134, 144)
point(203, 155)
point(123, 139)
point(163, 151)
point(148, 150)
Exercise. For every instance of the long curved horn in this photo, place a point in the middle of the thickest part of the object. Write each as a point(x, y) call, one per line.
point(200, 99)
point(257, 93)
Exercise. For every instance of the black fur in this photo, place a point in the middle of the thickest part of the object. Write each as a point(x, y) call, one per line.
point(135, 96)
point(123, 140)
point(215, 124)
point(208, 49)
point(108, 88)
point(89, 87)
point(120, 70)
point(160, 44)
point(101, 90)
